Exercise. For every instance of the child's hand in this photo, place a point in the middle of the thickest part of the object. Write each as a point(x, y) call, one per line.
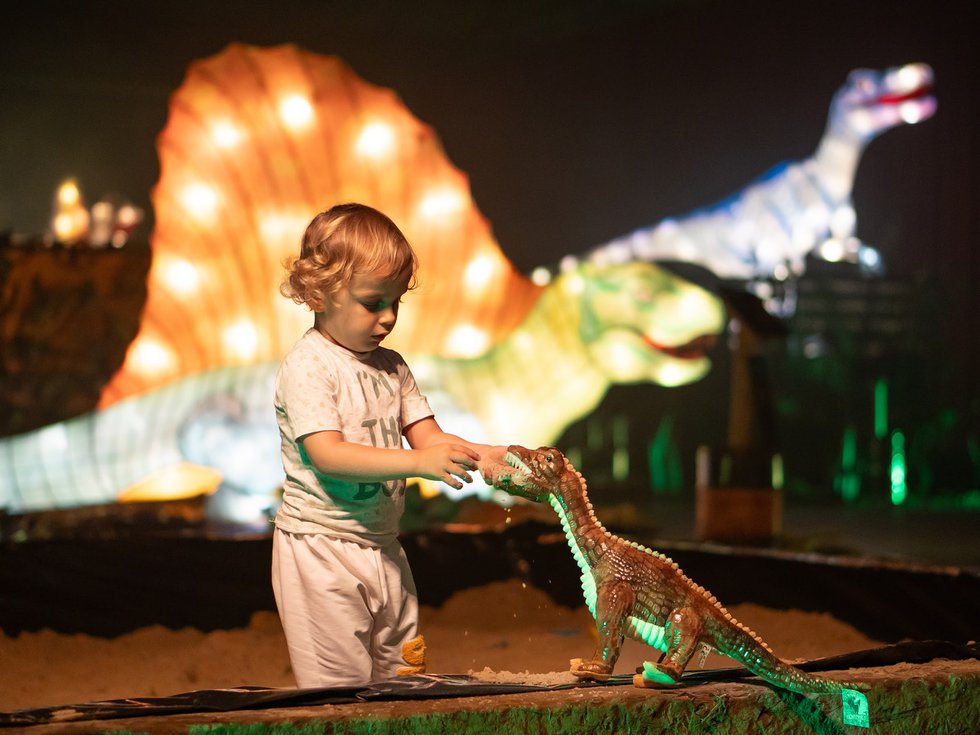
point(446, 462)
point(492, 463)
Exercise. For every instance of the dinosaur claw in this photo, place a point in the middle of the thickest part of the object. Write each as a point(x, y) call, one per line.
point(587, 670)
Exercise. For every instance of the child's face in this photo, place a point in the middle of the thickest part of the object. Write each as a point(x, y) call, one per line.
point(363, 312)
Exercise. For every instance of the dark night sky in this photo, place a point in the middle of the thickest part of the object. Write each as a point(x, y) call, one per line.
point(576, 121)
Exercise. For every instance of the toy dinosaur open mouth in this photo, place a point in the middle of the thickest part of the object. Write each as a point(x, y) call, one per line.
point(518, 464)
point(693, 350)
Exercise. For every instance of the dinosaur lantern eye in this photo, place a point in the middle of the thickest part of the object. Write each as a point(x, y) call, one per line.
point(549, 458)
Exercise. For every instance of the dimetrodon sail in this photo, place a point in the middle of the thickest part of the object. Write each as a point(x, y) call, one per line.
point(258, 140)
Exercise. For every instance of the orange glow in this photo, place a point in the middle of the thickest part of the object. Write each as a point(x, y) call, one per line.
point(184, 480)
point(229, 214)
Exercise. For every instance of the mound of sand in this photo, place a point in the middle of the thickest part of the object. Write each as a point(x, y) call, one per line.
point(504, 631)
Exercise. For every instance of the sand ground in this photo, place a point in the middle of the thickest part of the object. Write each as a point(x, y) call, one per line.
point(501, 630)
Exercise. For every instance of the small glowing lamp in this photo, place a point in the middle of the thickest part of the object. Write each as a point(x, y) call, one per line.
point(541, 276)
point(70, 222)
point(69, 194)
point(180, 277)
point(465, 340)
point(200, 201)
point(441, 202)
point(296, 112)
point(832, 250)
point(479, 272)
point(226, 134)
point(242, 339)
point(911, 112)
point(282, 226)
point(68, 226)
point(375, 141)
point(150, 357)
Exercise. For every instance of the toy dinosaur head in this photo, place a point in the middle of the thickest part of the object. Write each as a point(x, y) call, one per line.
point(533, 474)
point(874, 101)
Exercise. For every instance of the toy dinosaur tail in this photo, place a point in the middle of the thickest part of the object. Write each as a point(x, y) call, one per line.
point(743, 645)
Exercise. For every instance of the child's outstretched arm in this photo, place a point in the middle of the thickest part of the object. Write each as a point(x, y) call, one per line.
point(428, 433)
point(435, 455)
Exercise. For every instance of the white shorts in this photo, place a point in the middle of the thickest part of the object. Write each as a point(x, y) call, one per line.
point(349, 612)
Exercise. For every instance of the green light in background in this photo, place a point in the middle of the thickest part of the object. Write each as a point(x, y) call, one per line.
point(621, 451)
point(849, 481)
point(881, 408)
point(777, 471)
point(620, 464)
point(897, 472)
point(663, 458)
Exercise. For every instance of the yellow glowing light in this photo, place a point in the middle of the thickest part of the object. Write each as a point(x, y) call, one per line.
point(150, 357)
point(465, 340)
point(479, 272)
point(226, 134)
point(672, 373)
point(428, 489)
point(180, 276)
point(71, 226)
point(832, 250)
point(523, 340)
point(623, 360)
point(541, 276)
point(573, 285)
point(693, 305)
point(286, 227)
point(184, 480)
point(63, 226)
point(296, 111)
point(242, 339)
point(200, 200)
point(68, 194)
point(376, 140)
point(441, 202)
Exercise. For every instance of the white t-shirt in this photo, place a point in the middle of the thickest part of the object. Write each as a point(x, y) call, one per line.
point(369, 399)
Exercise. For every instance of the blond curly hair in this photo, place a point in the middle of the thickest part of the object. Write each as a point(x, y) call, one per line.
point(344, 241)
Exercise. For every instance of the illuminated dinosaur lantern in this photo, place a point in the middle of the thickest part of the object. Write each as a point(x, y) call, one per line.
point(258, 140)
point(635, 592)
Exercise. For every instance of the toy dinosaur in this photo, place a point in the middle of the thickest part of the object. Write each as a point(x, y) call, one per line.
point(637, 592)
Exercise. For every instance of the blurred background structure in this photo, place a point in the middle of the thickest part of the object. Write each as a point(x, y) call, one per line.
point(575, 124)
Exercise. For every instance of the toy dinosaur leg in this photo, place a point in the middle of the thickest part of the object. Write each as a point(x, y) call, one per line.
point(683, 628)
point(613, 605)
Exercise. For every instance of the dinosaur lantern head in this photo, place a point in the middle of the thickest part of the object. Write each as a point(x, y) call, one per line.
point(642, 323)
point(873, 101)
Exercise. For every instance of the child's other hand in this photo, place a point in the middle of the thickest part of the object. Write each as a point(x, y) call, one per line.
point(446, 463)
